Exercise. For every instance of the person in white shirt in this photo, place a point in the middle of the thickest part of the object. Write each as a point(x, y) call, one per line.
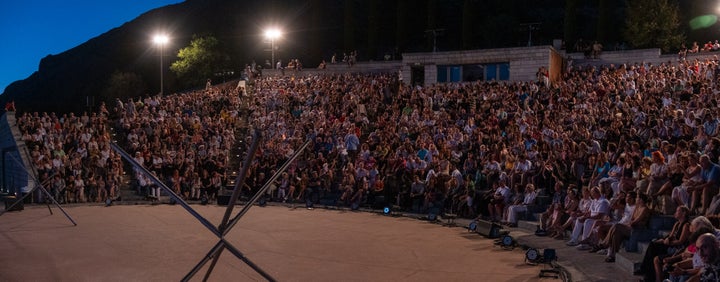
point(513, 210)
point(599, 208)
point(500, 199)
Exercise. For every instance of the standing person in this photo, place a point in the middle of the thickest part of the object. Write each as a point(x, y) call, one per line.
point(102, 189)
point(58, 188)
point(351, 143)
point(79, 189)
point(215, 185)
point(195, 186)
point(313, 189)
point(596, 49)
point(417, 191)
point(92, 189)
point(284, 187)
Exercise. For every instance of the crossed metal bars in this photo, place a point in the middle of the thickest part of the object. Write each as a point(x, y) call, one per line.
point(226, 224)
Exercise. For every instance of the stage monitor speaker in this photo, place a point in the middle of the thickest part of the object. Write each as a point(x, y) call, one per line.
point(9, 200)
point(488, 229)
point(223, 200)
point(379, 203)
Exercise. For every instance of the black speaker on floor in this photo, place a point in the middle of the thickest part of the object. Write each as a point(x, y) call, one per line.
point(9, 200)
point(379, 202)
point(223, 200)
point(488, 229)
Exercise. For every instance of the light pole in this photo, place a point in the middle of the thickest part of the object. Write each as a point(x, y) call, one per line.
point(161, 40)
point(272, 34)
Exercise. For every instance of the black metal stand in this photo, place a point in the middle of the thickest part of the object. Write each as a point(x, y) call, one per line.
point(45, 192)
point(226, 225)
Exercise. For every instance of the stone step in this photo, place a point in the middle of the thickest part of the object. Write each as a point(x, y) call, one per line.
point(628, 261)
point(528, 226)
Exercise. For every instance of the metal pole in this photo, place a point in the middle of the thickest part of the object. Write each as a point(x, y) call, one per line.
point(272, 53)
point(239, 180)
point(167, 189)
point(215, 253)
point(264, 188)
point(162, 88)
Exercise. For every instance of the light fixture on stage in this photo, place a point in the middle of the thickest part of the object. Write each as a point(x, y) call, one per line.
point(506, 242)
point(551, 270)
point(203, 200)
point(433, 214)
point(393, 211)
point(108, 202)
point(532, 255)
point(472, 226)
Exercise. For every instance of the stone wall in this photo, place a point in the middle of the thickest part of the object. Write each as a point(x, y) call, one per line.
point(524, 61)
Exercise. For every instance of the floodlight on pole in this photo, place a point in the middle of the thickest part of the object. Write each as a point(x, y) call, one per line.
point(272, 34)
point(161, 40)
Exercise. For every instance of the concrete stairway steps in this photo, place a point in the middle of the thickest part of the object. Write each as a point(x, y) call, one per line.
point(628, 261)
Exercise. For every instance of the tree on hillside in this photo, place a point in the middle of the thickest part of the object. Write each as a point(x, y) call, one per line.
point(653, 23)
point(199, 61)
point(123, 85)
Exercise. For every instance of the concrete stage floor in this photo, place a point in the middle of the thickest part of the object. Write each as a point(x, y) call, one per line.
point(163, 243)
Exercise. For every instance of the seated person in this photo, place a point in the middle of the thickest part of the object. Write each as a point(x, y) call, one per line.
point(684, 263)
point(658, 248)
point(574, 207)
point(557, 200)
point(500, 199)
point(528, 199)
point(620, 231)
point(599, 208)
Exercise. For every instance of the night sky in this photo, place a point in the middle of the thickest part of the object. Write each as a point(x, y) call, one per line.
point(33, 29)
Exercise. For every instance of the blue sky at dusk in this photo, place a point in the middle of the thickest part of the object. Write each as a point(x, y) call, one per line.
point(33, 29)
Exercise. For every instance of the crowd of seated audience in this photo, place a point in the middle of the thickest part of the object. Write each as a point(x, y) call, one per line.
point(185, 139)
point(628, 141)
point(710, 46)
point(72, 156)
point(609, 145)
